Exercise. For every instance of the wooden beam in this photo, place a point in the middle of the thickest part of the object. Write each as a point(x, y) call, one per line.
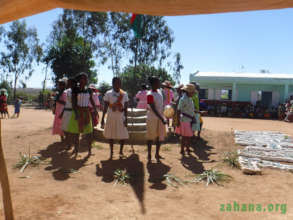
point(8, 210)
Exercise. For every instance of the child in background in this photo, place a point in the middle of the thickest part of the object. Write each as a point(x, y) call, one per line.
point(186, 112)
point(156, 130)
point(17, 105)
point(59, 107)
point(116, 100)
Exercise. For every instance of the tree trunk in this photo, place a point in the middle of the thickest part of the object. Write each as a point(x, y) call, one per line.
point(14, 88)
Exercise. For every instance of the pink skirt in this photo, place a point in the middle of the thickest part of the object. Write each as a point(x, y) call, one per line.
point(184, 129)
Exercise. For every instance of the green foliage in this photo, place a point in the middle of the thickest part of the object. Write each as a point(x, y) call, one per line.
point(75, 44)
point(152, 48)
point(132, 79)
point(104, 87)
point(22, 50)
point(26, 160)
point(121, 177)
point(212, 176)
point(177, 68)
point(231, 158)
point(6, 85)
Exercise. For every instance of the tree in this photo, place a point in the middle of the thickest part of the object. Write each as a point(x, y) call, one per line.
point(115, 41)
point(22, 50)
point(76, 40)
point(153, 47)
point(69, 57)
point(177, 68)
point(141, 75)
point(104, 87)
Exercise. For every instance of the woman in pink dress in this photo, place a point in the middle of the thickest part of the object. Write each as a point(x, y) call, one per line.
point(59, 107)
point(141, 96)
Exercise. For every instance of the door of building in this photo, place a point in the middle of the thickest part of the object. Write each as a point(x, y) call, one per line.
point(266, 98)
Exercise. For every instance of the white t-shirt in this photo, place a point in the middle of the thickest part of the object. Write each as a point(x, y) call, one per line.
point(68, 94)
point(157, 100)
point(111, 96)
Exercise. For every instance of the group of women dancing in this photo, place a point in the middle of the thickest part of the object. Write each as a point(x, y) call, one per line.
point(76, 113)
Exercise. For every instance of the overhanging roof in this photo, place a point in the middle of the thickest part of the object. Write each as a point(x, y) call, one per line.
point(15, 9)
point(244, 78)
point(244, 75)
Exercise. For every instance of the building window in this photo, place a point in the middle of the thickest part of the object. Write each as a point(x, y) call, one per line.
point(203, 94)
point(226, 94)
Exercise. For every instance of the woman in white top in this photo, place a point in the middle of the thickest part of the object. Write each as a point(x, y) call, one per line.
point(156, 124)
point(80, 121)
point(116, 103)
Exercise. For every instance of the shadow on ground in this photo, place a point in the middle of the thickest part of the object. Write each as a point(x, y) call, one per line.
point(62, 163)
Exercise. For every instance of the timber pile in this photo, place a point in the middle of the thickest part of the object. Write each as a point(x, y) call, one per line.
point(264, 149)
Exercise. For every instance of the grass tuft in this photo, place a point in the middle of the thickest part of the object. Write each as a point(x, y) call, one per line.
point(212, 176)
point(121, 177)
point(231, 158)
point(174, 181)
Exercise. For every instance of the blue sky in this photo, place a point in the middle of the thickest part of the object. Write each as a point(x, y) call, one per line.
point(218, 42)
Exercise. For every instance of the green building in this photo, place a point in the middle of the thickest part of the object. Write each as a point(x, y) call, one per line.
point(269, 89)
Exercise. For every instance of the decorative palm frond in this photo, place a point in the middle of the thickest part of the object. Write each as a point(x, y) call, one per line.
point(27, 160)
point(212, 176)
point(174, 181)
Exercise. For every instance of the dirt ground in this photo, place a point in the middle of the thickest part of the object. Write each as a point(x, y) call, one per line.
point(51, 192)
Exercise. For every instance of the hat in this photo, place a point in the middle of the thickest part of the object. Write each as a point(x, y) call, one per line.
point(63, 80)
point(190, 88)
point(80, 75)
point(92, 86)
point(167, 84)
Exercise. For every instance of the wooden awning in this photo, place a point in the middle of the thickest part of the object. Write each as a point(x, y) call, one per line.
point(14, 9)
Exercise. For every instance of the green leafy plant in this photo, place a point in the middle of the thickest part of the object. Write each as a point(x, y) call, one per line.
point(231, 158)
point(27, 160)
point(174, 181)
point(121, 177)
point(212, 176)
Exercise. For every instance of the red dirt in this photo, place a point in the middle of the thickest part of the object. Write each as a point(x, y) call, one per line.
point(90, 193)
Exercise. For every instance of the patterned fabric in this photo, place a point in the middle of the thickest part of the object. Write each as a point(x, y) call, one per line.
point(58, 112)
point(3, 103)
point(82, 125)
point(168, 96)
point(186, 106)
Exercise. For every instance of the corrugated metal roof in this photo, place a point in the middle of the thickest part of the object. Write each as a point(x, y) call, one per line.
point(244, 75)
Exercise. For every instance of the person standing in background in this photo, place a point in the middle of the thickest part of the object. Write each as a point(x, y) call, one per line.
point(116, 104)
point(95, 117)
point(156, 130)
point(141, 96)
point(17, 105)
point(59, 107)
point(195, 99)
